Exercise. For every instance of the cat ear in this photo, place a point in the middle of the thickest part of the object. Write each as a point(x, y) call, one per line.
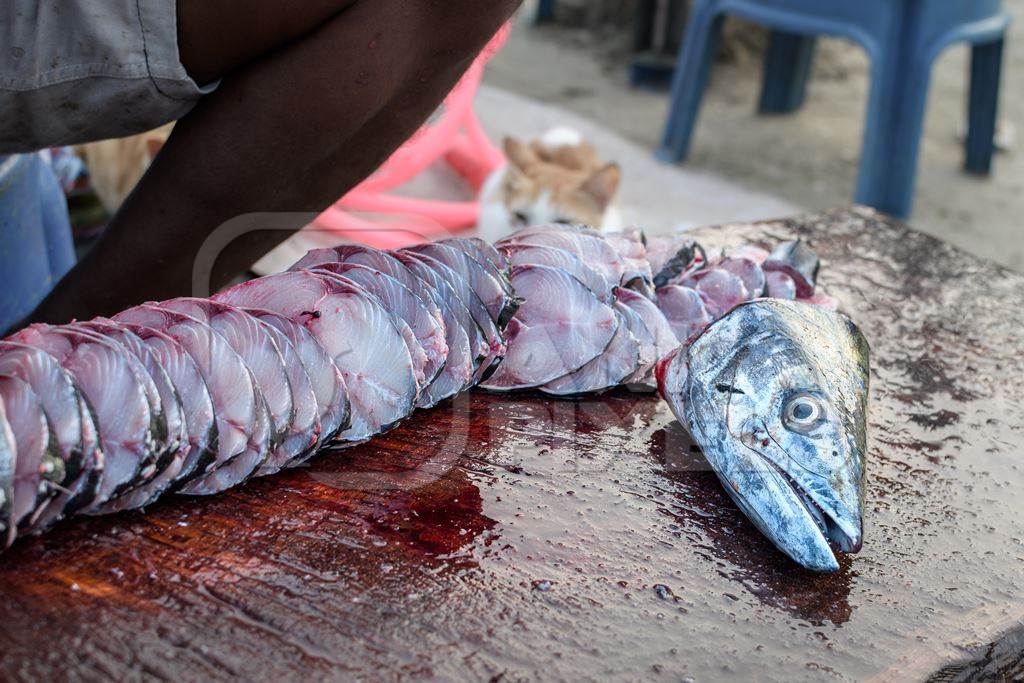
point(603, 184)
point(518, 154)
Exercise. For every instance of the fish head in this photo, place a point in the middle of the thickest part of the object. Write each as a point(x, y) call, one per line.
point(775, 394)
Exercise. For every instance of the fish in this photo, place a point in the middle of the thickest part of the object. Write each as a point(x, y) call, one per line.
point(193, 396)
point(775, 393)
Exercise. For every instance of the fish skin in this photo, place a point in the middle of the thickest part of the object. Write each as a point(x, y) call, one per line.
point(329, 391)
point(379, 377)
point(8, 462)
point(493, 337)
point(495, 293)
point(775, 393)
point(112, 386)
point(538, 255)
point(73, 423)
point(35, 446)
point(243, 420)
point(591, 249)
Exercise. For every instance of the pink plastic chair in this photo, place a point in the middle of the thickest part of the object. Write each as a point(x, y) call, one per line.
point(455, 136)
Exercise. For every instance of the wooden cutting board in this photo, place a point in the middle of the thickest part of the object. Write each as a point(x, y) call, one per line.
point(528, 538)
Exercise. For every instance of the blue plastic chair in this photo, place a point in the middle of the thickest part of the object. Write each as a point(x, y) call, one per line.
point(902, 39)
point(36, 248)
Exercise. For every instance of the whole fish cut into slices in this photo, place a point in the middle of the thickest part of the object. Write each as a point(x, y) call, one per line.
point(124, 416)
point(190, 388)
point(495, 292)
point(73, 423)
point(325, 379)
point(8, 461)
point(592, 250)
point(619, 361)
point(359, 335)
point(431, 349)
point(495, 342)
point(560, 327)
point(259, 351)
point(243, 420)
point(685, 310)
point(35, 449)
point(175, 440)
point(534, 255)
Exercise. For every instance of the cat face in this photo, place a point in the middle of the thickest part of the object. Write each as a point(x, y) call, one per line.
point(562, 185)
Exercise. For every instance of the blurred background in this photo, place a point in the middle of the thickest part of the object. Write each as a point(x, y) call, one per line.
point(658, 114)
point(579, 62)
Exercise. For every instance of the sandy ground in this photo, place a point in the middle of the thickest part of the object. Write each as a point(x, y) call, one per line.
point(810, 158)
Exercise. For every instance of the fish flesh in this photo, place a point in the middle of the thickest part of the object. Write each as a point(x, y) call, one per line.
point(193, 396)
point(560, 327)
point(379, 376)
point(775, 394)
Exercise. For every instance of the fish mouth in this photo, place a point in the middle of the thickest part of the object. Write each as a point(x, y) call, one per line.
point(839, 532)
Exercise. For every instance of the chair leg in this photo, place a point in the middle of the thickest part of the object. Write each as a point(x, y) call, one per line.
point(892, 132)
point(787, 66)
point(545, 11)
point(986, 65)
point(690, 79)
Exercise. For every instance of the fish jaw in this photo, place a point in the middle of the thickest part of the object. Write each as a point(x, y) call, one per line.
point(774, 505)
point(802, 488)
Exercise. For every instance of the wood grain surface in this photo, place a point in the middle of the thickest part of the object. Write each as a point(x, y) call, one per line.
point(524, 538)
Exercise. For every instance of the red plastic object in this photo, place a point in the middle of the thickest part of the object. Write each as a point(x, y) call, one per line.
point(455, 136)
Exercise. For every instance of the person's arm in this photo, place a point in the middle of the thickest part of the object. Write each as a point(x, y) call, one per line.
point(312, 101)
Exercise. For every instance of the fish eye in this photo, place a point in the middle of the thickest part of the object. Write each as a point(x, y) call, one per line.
point(803, 412)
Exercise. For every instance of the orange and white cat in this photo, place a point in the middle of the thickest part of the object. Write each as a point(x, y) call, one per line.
point(557, 179)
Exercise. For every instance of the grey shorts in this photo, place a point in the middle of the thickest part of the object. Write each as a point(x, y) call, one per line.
point(74, 71)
